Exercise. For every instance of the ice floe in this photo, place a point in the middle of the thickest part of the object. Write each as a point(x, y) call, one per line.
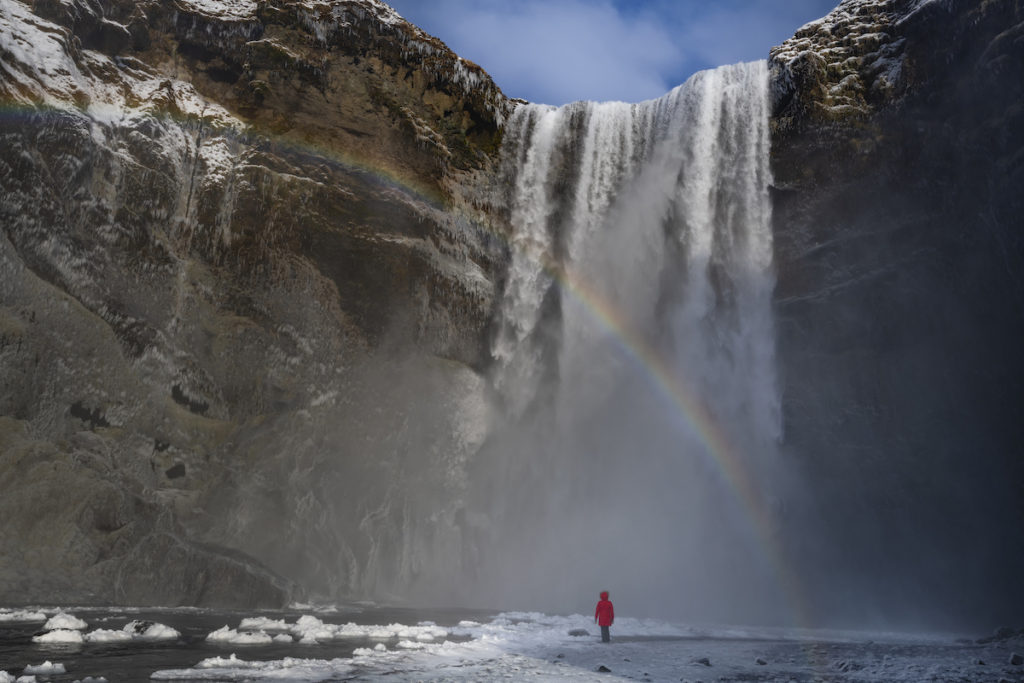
point(60, 635)
point(63, 620)
point(47, 668)
point(21, 615)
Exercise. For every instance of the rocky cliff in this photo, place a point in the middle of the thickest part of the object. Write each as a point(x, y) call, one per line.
point(898, 154)
point(251, 254)
point(246, 296)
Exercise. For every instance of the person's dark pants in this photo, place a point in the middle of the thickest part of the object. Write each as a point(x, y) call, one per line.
point(605, 636)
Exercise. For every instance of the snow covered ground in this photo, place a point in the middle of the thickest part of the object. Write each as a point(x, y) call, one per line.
point(301, 645)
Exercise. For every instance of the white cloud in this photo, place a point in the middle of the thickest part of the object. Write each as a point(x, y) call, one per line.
point(731, 32)
point(557, 51)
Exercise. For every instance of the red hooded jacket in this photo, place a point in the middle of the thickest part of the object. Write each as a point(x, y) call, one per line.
point(605, 613)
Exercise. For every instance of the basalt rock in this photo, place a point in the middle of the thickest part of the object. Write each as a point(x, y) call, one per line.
point(247, 265)
point(898, 141)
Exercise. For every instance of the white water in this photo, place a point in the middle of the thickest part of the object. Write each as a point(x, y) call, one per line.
point(641, 259)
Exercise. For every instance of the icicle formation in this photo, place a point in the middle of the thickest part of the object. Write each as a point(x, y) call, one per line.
point(658, 212)
point(635, 339)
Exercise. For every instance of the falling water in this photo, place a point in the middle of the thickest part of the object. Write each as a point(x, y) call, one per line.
point(641, 259)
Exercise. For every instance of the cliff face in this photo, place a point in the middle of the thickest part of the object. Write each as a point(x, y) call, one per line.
point(246, 282)
point(250, 258)
point(898, 141)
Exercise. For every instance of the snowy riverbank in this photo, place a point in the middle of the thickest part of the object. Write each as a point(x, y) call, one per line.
point(367, 644)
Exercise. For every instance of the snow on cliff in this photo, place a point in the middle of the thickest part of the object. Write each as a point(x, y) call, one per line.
point(43, 65)
point(856, 50)
point(246, 9)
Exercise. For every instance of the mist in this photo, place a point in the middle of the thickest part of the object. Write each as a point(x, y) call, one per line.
point(635, 362)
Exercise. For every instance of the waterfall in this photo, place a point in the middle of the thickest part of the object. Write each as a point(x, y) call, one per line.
point(635, 321)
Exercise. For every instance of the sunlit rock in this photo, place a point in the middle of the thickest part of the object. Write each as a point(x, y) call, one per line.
point(241, 247)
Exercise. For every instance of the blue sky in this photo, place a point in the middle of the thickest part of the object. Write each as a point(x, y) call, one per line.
point(558, 51)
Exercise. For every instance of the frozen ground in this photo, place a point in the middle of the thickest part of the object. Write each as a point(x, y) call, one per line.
point(368, 644)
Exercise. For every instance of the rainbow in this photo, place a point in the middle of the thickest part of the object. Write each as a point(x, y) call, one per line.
point(685, 402)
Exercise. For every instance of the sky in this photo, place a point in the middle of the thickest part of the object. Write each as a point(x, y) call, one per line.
point(558, 51)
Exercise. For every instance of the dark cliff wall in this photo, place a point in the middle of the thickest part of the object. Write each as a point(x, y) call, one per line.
point(898, 156)
point(246, 286)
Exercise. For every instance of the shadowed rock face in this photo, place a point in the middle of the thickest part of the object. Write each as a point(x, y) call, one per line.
point(897, 152)
point(247, 276)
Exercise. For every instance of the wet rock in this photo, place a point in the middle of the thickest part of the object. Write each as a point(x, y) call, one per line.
point(846, 665)
point(876, 177)
point(761, 661)
point(138, 627)
point(579, 632)
point(1000, 634)
point(1016, 659)
point(175, 472)
point(604, 669)
point(703, 661)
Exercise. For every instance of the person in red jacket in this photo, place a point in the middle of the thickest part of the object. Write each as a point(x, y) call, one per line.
point(604, 615)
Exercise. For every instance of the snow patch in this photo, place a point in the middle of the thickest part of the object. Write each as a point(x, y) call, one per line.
point(234, 669)
point(222, 9)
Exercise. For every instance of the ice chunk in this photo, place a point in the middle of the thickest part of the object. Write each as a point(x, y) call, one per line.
point(230, 635)
point(60, 635)
point(63, 620)
point(149, 630)
point(263, 624)
point(105, 635)
point(46, 668)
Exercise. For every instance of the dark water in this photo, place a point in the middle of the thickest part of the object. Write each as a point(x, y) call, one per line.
point(135, 661)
